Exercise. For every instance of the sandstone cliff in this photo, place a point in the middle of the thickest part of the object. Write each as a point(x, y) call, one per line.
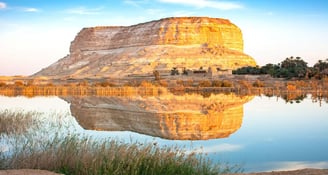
point(185, 117)
point(189, 42)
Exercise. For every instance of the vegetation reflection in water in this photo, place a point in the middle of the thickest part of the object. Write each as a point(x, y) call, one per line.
point(56, 146)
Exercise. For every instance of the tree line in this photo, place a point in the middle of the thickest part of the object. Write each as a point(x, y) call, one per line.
point(289, 68)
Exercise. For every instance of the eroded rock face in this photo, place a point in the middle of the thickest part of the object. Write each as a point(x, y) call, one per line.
point(188, 42)
point(183, 117)
point(170, 31)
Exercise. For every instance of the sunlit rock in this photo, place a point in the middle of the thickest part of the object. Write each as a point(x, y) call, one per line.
point(118, 51)
point(183, 117)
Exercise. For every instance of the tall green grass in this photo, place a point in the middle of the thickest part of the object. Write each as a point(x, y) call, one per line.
point(71, 153)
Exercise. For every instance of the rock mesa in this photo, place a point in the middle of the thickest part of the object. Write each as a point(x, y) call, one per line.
point(186, 117)
point(190, 42)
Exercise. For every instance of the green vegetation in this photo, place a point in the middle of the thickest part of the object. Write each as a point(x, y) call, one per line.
point(289, 68)
point(69, 153)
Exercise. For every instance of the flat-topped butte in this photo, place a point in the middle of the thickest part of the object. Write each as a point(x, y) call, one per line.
point(181, 42)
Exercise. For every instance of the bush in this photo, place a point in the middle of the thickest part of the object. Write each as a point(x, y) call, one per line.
point(180, 82)
point(163, 83)
point(50, 84)
point(19, 83)
point(2, 84)
point(291, 87)
point(216, 83)
point(258, 83)
point(205, 83)
point(325, 82)
point(105, 84)
point(301, 84)
point(84, 83)
point(132, 83)
point(188, 83)
point(227, 83)
point(245, 84)
point(146, 84)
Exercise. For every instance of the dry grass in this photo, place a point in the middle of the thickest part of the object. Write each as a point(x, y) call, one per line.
point(258, 83)
point(9, 121)
point(70, 153)
point(205, 83)
point(76, 155)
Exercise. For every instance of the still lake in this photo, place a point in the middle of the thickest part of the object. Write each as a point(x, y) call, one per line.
point(259, 133)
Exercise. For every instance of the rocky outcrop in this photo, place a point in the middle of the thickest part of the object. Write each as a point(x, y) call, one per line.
point(188, 42)
point(184, 117)
point(170, 31)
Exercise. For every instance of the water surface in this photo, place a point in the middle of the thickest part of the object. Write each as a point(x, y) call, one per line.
point(260, 133)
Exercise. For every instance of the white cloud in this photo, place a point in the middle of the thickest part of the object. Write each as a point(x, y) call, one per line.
point(3, 5)
point(135, 3)
point(84, 11)
point(31, 10)
point(183, 13)
point(161, 13)
point(154, 11)
point(221, 5)
point(225, 147)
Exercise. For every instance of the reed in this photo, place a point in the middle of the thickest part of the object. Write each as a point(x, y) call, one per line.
point(73, 153)
point(16, 122)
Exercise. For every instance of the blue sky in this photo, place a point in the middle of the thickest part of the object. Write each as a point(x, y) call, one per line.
point(36, 33)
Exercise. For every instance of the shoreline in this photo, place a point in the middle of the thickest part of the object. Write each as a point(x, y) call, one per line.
point(306, 171)
point(231, 83)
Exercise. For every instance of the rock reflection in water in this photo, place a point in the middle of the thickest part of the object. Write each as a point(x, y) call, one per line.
point(175, 117)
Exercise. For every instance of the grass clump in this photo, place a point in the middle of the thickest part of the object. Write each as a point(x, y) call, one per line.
point(74, 154)
point(71, 153)
point(16, 122)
